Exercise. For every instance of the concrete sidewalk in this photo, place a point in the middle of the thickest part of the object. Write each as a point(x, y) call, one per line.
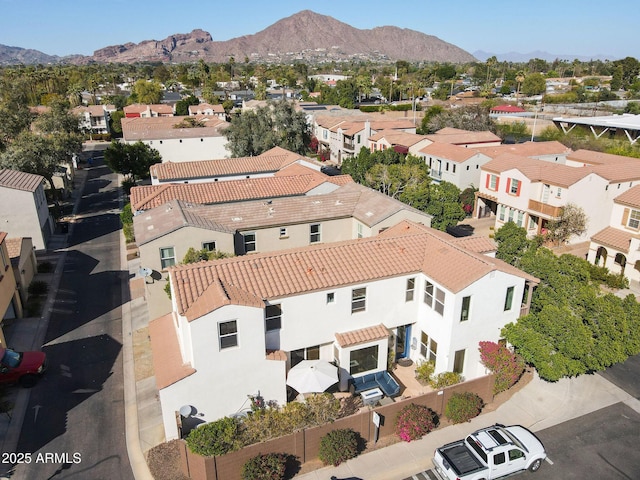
point(539, 405)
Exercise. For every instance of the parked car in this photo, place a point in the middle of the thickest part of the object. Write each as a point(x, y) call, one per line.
point(24, 368)
point(490, 453)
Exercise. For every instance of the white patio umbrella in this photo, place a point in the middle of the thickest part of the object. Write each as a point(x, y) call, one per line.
point(312, 376)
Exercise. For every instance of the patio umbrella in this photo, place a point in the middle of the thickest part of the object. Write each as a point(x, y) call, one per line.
point(312, 376)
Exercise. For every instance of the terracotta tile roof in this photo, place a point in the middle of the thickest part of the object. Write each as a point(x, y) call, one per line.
point(406, 248)
point(590, 157)
point(167, 360)
point(3, 236)
point(462, 137)
point(537, 170)
point(397, 137)
point(200, 108)
point(296, 181)
point(620, 172)
point(615, 238)
point(16, 180)
point(160, 128)
point(14, 246)
point(364, 335)
point(630, 198)
point(177, 171)
point(139, 108)
point(507, 109)
point(450, 151)
point(393, 124)
point(352, 200)
point(527, 149)
point(476, 244)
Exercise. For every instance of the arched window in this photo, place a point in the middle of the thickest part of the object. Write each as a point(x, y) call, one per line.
point(601, 254)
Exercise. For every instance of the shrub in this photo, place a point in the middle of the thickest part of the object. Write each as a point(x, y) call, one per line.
point(34, 307)
point(445, 379)
point(503, 363)
point(271, 466)
point(45, 267)
point(424, 370)
point(127, 230)
point(38, 287)
point(126, 216)
point(338, 446)
point(215, 438)
point(415, 421)
point(462, 407)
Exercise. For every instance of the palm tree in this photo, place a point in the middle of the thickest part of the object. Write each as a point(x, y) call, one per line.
point(519, 78)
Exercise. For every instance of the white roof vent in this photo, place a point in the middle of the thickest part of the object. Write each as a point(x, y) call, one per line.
point(236, 219)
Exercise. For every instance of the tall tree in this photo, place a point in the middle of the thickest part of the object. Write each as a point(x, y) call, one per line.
point(277, 124)
point(148, 93)
point(132, 160)
point(444, 205)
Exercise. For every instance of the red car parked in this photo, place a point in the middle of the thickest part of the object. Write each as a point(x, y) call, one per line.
point(24, 368)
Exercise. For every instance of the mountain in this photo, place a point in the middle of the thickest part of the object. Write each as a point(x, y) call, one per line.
point(16, 55)
point(305, 36)
point(546, 56)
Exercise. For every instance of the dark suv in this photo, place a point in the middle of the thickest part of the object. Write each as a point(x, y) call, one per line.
point(24, 368)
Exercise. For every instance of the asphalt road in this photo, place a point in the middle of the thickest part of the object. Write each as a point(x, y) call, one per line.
point(74, 426)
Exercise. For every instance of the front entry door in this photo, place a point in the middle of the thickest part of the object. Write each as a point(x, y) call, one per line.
point(403, 341)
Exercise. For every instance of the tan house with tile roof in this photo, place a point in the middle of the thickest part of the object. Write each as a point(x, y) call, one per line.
point(207, 109)
point(292, 180)
point(532, 192)
point(263, 165)
point(402, 142)
point(10, 303)
point(24, 264)
point(617, 246)
point(176, 143)
point(138, 110)
point(239, 324)
point(94, 118)
point(23, 207)
point(454, 164)
point(465, 138)
point(552, 151)
point(164, 234)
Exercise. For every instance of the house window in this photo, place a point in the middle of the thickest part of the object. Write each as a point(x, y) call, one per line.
point(167, 257)
point(559, 192)
point(314, 233)
point(359, 230)
point(467, 168)
point(532, 223)
point(454, 168)
point(492, 182)
point(514, 189)
point(358, 299)
point(458, 361)
point(466, 304)
point(273, 317)
point(511, 211)
point(363, 360)
point(358, 137)
point(228, 334)
point(446, 167)
point(439, 306)
point(428, 293)
point(411, 285)
point(283, 232)
point(634, 219)
point(209, 246)
point(428, 347)
point(249, 242)
point(310, 353)
point(508, 299)
point(502, 210)
point(520, 218)
point(331, 297)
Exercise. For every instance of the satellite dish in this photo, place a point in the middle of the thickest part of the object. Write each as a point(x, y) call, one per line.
point(145, 271)
point(186, 410)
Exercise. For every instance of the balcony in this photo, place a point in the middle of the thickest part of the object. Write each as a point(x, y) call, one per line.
point(436, 174)
point(544, 209)
point(348, 145)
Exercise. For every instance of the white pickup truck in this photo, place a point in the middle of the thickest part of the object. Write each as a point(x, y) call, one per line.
point(490, 453)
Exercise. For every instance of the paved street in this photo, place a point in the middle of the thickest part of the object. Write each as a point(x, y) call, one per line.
point(74, 423)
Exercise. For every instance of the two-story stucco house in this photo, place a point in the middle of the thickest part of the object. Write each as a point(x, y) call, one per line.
point(239, 324)
point(401, 142)
point(454, 164)
point(207, 109)
point(175, 140)
point(617, 246)
point(266, 164)
point(532, 192)
point(94, 118)
point(23, 207)
point(10, 302)
point(139, 110)
point(465, 138)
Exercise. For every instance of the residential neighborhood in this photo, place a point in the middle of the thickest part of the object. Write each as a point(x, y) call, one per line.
point(188, 256)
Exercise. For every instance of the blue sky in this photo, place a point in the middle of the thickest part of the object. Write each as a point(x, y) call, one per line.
point(561, 27)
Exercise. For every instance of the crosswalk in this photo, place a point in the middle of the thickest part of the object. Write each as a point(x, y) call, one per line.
point(426, 475)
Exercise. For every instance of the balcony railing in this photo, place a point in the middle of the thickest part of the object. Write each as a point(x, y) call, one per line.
point(348, 146)
point(544, 208)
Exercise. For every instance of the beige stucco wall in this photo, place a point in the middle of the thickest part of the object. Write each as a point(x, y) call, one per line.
point(24, 214)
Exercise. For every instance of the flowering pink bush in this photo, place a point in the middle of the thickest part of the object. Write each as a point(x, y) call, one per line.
point(503, 363)
point(415, 421)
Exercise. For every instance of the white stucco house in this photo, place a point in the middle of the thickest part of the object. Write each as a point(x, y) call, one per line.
point(23, 207)
point(617, 246)
point(532, 192)
point(238, 325)
point(175, 140)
